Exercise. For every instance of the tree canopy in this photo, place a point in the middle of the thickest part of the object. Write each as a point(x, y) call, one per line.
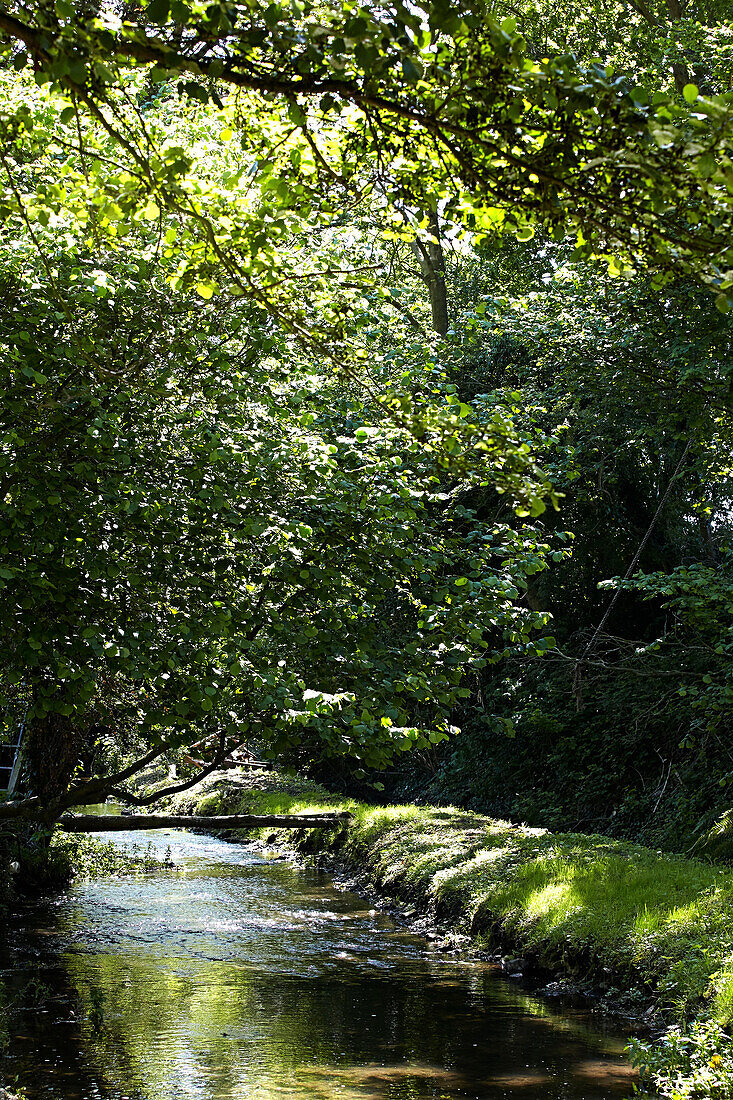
point(328, 103)
point(258, 485)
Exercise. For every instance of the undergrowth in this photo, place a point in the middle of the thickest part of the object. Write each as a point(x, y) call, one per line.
point(44, 865)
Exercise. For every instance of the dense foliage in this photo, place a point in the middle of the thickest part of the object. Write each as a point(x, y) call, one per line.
point(622, 728)
point(308, 315)
point(366, 377)
point(204, 538)
point(412, 109)
point(209, 534)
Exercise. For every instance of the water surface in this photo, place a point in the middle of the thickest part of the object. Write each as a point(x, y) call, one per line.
point(235, 978)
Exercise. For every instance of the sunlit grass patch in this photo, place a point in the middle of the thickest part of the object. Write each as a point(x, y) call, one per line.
point(589, 904)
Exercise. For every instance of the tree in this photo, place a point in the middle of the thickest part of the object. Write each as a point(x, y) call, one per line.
point(631, 387)
point(184, 195)
point(419, 107)
point(204, 537)
point(657, 43)
point(431, 258)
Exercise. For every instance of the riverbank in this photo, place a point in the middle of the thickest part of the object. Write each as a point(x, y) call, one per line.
point(649, 932)
point(31, 865)
point(246, 975)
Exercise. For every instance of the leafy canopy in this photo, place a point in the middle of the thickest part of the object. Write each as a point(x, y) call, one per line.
point(419, 107)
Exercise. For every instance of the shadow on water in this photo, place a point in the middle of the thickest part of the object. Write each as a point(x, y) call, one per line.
point(232, 978)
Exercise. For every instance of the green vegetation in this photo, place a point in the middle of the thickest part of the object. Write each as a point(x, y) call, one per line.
point(309, 314)
point(585, 905)
point(623, 727)
point(80, 856)
point(652, 932)
point(366, 384)
point(39, 864)
point(415, 108)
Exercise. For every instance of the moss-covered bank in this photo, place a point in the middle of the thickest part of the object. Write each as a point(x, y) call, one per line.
point(653, 928)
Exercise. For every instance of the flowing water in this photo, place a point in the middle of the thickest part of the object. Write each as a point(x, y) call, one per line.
point(235, 978)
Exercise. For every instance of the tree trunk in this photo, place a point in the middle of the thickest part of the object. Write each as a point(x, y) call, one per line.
point(88, 823)
point(432, 271)
point(675, 10)
point(680, 70)
point(51, 753)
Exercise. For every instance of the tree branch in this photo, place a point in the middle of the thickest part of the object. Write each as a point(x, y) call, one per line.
point(78, 795)
point(176, 788)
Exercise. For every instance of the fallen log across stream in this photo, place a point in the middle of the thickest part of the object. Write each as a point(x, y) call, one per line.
point(93, 823)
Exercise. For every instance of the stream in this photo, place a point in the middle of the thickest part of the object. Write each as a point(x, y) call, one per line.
point(237, 978)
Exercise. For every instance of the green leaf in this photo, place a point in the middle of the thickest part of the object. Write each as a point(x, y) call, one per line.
point(411, 70)
point(690, 92)
point(196, 91)
point(158, 11)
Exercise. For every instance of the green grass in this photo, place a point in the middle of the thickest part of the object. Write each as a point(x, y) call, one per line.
point(657, 929)
point(586, 905)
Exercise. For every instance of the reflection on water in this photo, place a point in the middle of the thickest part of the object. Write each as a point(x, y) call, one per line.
point(236, 979)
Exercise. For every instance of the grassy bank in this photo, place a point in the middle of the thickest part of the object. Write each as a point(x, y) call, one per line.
point(653, 929)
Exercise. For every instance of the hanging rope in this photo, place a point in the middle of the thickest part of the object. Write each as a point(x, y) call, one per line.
point(578, 668)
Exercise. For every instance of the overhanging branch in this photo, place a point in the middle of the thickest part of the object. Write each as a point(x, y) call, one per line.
point(147, 800)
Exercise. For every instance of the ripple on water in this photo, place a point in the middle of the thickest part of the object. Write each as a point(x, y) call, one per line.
point(232, 978)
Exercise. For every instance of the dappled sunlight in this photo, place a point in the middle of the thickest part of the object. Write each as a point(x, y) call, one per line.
point(378, 816)
point(234, 977)
point(366, 412)
point(551, 891)
point(598, 1072)
point(472, 865)
point(555, 902)
point(379, 1080)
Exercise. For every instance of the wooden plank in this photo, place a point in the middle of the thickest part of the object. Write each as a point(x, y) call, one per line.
point(263, 765)
point(94, 823)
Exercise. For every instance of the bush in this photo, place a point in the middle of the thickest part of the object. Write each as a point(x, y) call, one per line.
point(49, 865)
point(694, 1063)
